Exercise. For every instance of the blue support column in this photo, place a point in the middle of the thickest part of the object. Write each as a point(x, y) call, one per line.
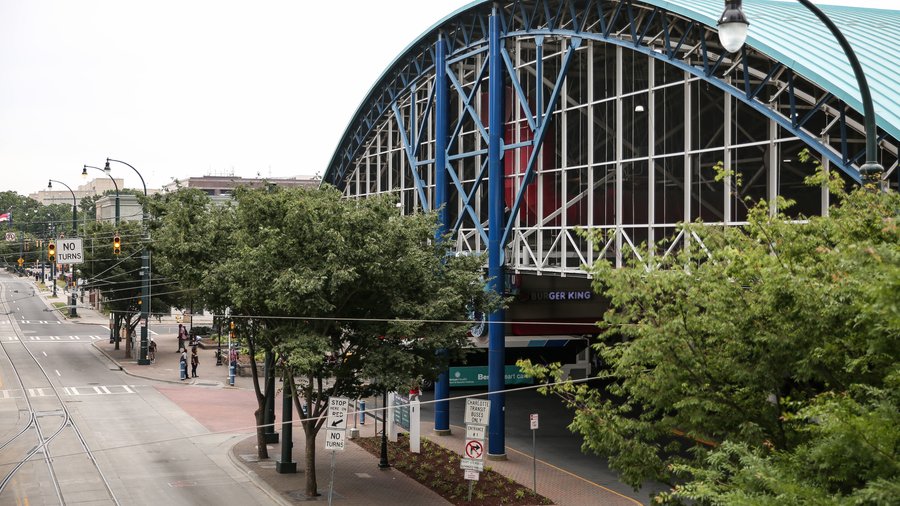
point(441, 126)
point(496, 221)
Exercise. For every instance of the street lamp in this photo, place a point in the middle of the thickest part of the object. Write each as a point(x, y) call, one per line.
point(145, 270)
point(74, 204)
point(115, 185)
point(733, 32)
point(72, 311)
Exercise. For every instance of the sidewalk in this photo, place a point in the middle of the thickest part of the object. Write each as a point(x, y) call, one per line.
point(357, 478)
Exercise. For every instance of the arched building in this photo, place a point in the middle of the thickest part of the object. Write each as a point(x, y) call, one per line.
point(526, 120)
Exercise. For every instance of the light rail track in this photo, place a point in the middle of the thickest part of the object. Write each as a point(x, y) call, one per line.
point(48, 447)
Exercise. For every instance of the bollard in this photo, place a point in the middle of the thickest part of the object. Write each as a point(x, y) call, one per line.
point(362, 412)
point(231, 374)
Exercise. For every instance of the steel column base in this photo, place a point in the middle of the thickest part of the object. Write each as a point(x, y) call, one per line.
point(442, 432)
point(285, 467)
point(271, 438)
point(501, 456)
point(143, 361)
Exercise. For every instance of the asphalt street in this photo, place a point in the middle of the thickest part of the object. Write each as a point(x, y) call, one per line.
point(151, 450)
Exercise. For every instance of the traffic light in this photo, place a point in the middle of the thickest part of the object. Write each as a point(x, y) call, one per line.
point(117, 245)
point(51, 251)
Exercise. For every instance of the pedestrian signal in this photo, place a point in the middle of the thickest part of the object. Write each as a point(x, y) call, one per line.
point(51, 251)
point(117, 245)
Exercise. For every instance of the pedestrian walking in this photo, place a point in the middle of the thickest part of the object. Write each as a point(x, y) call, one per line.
point(182, 337)
point(152, 350)
point(195, 361)
point(182, 365)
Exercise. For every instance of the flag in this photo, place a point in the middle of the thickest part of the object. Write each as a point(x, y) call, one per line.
point(5, 216)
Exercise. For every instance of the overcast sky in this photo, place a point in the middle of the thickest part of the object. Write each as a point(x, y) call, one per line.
point(184, 88)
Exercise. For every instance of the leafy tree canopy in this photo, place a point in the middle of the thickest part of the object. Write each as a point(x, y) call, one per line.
point(759, 369)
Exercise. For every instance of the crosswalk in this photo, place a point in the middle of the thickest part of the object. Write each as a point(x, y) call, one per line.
point(81, 391)
point(53, 339)
point(32, 322)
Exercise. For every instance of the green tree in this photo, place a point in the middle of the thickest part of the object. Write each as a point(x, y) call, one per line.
point(758, 369)
point(354, 298)
point(190, 235)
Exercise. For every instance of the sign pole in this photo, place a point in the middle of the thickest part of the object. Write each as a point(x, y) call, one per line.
point(471, 485)
point(331, 485)
point(533, 423)
point(533, 461)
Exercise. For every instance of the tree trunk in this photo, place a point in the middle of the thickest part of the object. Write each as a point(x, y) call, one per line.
point(127, 339)
point(310, 431)
point(262, 452)
point(114, 331)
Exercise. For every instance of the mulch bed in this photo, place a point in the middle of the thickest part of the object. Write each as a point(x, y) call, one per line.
point(438, 469)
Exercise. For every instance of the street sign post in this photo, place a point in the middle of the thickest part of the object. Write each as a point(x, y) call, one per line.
point(334, 440)
point(475, 431)
point(472, 462)
point(336, 427)
point(68, 251)
point(475, 449)
point(533, 422)
point(477, 411)
point(337, 412)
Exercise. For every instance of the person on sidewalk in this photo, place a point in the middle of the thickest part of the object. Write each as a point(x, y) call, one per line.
point(182, 365)
point(152, 350)
point(195, 361)
point(182, 336)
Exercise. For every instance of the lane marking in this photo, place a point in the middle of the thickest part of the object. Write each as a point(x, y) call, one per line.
point(57, 373)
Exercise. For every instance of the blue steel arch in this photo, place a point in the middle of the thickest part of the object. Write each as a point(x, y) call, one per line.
point(468, 30)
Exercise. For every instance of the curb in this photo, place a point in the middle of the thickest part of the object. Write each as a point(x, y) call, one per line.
point(254, 478)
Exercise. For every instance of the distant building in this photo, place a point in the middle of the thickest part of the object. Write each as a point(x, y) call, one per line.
point(129, 208)
point(61, 195)
point(220, 187)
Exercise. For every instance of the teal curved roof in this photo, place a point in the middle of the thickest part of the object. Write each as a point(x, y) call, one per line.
point(790, 33)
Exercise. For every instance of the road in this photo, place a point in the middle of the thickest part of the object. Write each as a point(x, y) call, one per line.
point(150, 450)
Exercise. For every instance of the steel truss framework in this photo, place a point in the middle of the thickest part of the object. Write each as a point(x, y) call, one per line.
point(634, 50)
point(525, 124)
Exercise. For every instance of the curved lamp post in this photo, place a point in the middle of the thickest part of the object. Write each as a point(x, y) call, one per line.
point(74, 204)
point(72, 311)
point(145, 271)
point(733, 32)
point(115, 185)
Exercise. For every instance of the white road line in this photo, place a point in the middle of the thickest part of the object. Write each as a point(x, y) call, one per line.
point(57, 373)
point(97, 389)
point(105, 390)
point(74, 391)
point(128, 389)
point(45, 353)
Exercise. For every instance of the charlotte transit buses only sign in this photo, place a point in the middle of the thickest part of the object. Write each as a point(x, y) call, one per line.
point(68, 251)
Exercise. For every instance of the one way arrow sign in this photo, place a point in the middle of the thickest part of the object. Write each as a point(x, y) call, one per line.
point(337, 412)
